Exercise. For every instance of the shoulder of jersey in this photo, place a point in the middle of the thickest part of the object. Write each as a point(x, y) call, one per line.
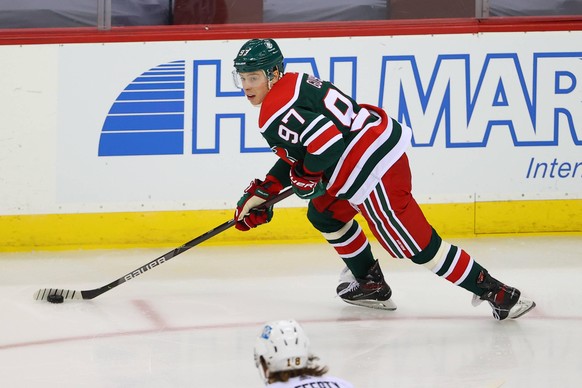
point(282, 95)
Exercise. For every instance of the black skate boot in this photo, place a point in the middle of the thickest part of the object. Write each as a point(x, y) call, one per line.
point(506, 301)
point(370, 291)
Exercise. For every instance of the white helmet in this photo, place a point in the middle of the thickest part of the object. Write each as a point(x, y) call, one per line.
point(283, 345)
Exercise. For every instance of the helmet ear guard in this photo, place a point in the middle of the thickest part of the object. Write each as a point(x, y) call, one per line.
point(283, 345)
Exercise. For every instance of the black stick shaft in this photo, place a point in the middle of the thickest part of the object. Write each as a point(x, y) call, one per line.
point(90, 294)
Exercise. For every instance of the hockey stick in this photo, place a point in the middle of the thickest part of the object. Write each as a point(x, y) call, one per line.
point(44, 293)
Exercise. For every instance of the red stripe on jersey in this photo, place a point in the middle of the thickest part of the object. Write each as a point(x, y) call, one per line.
point(356, 244)
point(321, 140)
point(356, 152)
point(460, 267)
point(280, 94)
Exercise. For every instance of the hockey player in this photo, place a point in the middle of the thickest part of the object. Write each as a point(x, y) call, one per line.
point(284, 360)
point(347, 158)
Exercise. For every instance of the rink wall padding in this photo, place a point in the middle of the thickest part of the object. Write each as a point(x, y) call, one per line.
point(136, 137)
point(290, 225)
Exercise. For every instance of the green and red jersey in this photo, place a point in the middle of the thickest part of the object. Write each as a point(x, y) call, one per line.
point(305, 118)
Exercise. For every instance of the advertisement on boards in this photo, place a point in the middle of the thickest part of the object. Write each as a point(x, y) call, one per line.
point(160, 125)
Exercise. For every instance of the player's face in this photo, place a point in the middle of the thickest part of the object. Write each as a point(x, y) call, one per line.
point(255, 85)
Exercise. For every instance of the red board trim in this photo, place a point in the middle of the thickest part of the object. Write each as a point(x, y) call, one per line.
point(288, 30)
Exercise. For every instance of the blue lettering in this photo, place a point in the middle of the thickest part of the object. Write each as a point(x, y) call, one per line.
point(560, 75)
point(457, 102)
point(209, 114)
point(501, 99)
point(553, 169)
point(347, 87)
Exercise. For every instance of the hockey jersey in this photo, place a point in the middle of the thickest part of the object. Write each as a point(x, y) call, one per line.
point(312, 382)
point(305, 118)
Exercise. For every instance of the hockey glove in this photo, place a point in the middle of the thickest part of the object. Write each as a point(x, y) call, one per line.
point(306, 185)
point(247, 215)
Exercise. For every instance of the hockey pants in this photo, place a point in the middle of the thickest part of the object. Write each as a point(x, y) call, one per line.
point(399, 225)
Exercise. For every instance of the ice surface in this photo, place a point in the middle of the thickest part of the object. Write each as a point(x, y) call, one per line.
point(192, 321)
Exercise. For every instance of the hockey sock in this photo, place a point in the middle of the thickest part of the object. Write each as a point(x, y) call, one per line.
point(458, 267)
point(450, 262)
point(353, 247)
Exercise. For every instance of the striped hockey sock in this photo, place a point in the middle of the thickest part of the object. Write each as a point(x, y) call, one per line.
point(353, 247)
point(456, 266)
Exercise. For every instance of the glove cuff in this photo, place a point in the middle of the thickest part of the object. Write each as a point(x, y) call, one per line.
point(272, 185)
point(300, 171)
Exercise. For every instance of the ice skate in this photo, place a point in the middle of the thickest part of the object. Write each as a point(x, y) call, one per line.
point(371, 291)
point(507, 302)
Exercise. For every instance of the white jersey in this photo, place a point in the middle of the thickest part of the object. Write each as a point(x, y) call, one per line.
point(313, 382)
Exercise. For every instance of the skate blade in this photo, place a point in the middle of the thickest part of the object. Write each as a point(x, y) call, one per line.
point(374, 304)
point(522, 306)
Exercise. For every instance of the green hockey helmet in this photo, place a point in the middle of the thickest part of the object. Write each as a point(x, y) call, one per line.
point(259, 54)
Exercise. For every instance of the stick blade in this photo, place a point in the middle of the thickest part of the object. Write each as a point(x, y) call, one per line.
point(43, 293)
